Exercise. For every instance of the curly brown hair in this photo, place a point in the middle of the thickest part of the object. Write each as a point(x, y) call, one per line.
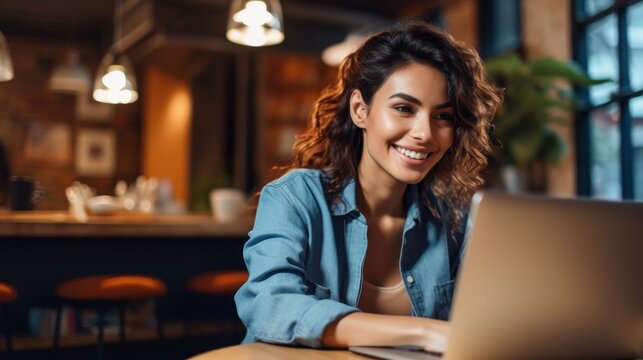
point(333, 143)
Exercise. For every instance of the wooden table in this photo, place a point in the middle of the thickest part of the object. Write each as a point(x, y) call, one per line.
point(275, 352)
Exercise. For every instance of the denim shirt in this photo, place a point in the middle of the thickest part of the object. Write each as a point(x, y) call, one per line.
point(305, 258)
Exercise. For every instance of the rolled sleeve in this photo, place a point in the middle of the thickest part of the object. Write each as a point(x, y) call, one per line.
point(276, 304)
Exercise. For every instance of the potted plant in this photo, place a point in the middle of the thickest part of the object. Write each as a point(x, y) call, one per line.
point(537, 95)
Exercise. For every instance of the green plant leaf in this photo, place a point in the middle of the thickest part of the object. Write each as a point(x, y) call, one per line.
point(553, 147)
point(504, 64)
point(560, 69)
point(525, 145)
point(533, 100)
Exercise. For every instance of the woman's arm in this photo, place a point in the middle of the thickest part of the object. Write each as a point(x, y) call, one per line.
point(364, 329)
point(277, 304)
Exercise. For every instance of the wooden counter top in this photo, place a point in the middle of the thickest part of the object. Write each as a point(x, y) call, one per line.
point(58, 223)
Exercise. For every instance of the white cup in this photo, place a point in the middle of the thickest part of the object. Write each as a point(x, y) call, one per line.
point(227, 204)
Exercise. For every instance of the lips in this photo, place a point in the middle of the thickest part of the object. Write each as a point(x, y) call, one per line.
point(413, 154)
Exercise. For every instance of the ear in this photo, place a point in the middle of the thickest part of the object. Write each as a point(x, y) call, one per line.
point(358, 109)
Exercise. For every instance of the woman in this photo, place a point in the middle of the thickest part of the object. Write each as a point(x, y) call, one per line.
point(360, 242)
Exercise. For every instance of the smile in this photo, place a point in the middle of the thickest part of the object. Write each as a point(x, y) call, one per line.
point(410, 153)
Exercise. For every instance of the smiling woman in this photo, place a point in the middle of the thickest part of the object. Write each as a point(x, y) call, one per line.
point(405, 134)
point(360, 242)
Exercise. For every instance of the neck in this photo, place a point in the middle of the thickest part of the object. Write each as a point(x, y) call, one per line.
point(377, 198)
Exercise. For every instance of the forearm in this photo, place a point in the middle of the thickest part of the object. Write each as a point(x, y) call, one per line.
point(364, 329)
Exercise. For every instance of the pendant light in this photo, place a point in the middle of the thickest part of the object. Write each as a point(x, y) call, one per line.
point(71, 77)
point(6, 68)
point(335, 54)
point(255, 22)
point(115, 82)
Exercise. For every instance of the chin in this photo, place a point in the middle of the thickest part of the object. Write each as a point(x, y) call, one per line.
point(412, 179)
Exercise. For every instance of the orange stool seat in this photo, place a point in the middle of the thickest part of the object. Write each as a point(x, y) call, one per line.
point(111, 288)
point(7, 293)
point(104, 291)
point(221, 282)
point(220, 285)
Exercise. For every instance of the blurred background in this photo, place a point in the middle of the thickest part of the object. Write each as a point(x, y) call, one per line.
point(156, 103)
point(213, 113)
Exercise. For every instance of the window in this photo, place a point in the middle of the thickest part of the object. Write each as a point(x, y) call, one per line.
point(500, 25)
point(609, 129)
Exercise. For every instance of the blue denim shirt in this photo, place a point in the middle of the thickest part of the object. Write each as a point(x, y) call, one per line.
point(305, 258)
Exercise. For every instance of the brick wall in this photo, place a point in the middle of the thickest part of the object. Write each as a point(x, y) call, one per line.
point(39, 127)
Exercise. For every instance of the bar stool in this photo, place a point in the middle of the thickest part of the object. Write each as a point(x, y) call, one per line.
point(221, 284)
point(218, 282)
point(7, 294)
point(108, 291)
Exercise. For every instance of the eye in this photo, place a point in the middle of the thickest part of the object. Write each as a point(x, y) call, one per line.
point(403, 108)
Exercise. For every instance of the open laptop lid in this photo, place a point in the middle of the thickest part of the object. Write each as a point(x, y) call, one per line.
point(546, 277)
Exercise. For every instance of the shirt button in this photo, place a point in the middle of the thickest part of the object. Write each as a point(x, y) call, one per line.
point(409, 279)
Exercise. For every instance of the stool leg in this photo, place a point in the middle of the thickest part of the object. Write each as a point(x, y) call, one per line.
point(7, 327)
point(121, 322)
point(101, 335)
point(159, 320)
point(189, 313)
point(59, 309)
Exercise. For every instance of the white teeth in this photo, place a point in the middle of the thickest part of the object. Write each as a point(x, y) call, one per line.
point(412, 154)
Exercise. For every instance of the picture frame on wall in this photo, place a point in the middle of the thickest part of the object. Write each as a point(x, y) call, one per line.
point(47, 144)
point(95, 153)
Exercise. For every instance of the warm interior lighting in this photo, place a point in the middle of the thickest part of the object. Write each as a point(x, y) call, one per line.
point(115, 82)
point(71, 77)
point(115, 78)
point(6, 68)
point(255, 22)
point(335, 54)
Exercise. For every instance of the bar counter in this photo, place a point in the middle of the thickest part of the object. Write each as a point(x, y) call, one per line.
point(41, 249)
point(59, 223)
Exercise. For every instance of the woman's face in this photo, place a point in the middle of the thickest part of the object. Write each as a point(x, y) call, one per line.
point(407, 127)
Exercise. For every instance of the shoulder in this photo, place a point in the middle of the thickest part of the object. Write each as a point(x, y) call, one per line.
point(299, 181)
point(299, 188)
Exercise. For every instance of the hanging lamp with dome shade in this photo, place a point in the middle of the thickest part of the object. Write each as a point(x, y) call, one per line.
point(255, 22)
point(6, 67)
point(70, 77)
point(115, 82)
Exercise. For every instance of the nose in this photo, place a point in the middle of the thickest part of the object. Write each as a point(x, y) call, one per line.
point(421, 129)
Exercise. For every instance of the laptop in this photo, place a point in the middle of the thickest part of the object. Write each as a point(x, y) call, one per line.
point(546, 278)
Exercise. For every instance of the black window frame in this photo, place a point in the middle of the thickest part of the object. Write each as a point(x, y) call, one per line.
point(621, 98)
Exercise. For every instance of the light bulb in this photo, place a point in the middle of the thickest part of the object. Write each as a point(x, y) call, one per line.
point(112, 96)
point(115, 78)
point(255, 36)
point(254, 14)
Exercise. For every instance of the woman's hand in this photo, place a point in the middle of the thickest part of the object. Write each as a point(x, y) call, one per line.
point(364, 329)
point(436, 335)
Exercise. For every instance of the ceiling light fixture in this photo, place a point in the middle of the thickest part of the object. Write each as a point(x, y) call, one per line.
point(335, 54)
point(6, 68)
point(71, 77)
point(255, 22)
point(115, 82)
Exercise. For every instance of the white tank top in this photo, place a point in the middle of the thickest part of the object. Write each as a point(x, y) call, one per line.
point(389, 300)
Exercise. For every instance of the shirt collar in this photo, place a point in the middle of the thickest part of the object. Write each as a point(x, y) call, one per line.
point(348, 200)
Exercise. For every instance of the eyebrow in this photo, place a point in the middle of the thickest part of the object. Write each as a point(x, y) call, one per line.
point(417, 101)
